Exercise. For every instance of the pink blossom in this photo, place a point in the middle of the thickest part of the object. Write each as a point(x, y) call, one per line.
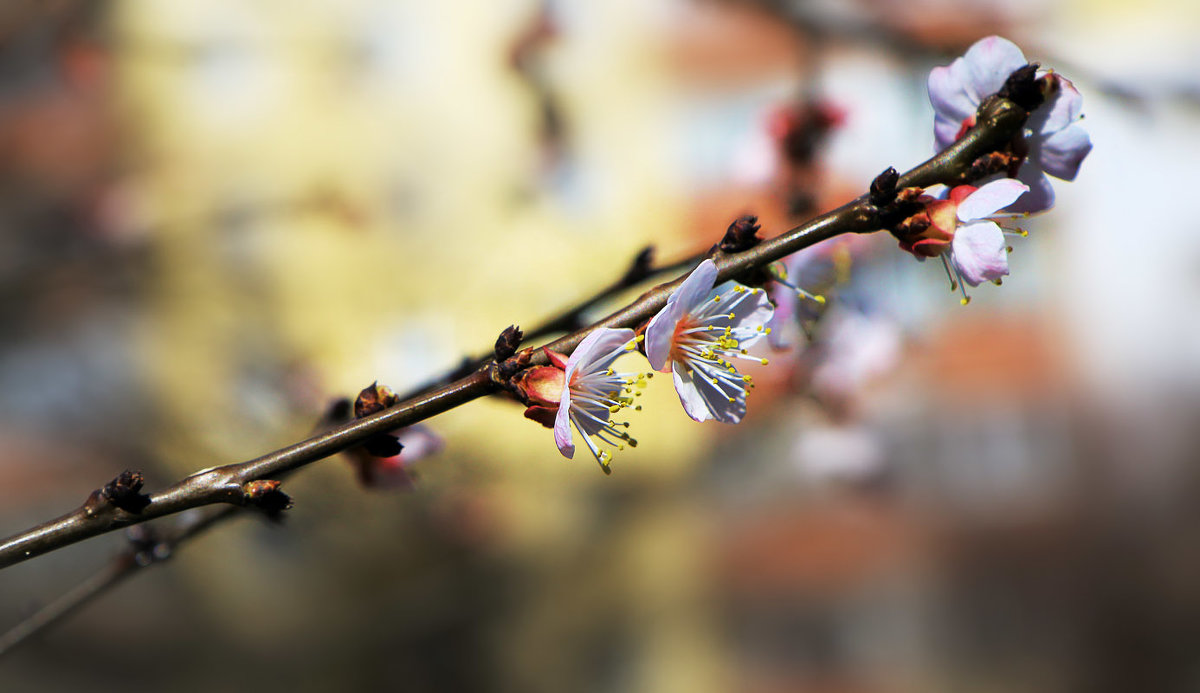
point(963, 232)
point(1055, 140)
point(698, 332)
point(584, 391)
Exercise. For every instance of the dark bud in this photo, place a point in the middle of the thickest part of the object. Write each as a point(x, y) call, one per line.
point(1022, 88)
point(383, 445)
point(741, 235)
point(883, 188)
point(125, 492)
point(508, 341)
point(374, 398)
point(641, 268)
point(265, 495)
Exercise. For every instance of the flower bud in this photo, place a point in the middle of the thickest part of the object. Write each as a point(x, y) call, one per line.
point(374, 398)
point(541, 385)
point(741, 235)
point(508, 341)
point(929, 233)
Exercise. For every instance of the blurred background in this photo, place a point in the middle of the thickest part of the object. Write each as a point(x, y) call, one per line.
point(219, 215)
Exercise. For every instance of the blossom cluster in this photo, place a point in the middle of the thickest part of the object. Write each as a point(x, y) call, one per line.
point(705, 329)
point(964, 227)
point(1053, 142)
point(697, 337)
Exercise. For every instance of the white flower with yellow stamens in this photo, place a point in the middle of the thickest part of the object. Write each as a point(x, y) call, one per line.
point(584, 391)
point(699, 333)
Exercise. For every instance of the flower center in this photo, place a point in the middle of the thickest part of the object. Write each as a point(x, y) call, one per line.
point(682, 336)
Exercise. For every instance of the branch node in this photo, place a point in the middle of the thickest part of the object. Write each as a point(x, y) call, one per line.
point(265, 495)
point(993, 162)
point(374, 398)
point(124, 492)
point(502, 372)
point(1022, 88)
point(508, 341)
point(883, 188)
point(741, 235)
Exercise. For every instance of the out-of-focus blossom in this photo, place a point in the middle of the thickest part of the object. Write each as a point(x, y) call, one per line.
point(838, 453)
point(962, 231)
point(789, 295)
point(584, 391)
point(395, 471)
point(857, 348)
point(697, 334)
point(1055, 141)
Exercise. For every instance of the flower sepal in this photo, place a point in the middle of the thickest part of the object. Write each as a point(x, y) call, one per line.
point(930, 232)
point(963, 231)
point(540, 385)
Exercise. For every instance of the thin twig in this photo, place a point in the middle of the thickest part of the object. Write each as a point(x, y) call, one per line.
point(143, 551)
point(135, 558)
point(138, 556)
point(999, 120)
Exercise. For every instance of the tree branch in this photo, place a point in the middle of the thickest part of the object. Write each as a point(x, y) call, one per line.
point(142, 553)
point(999, 121)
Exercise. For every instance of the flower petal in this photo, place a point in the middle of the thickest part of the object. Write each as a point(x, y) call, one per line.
point(603, 344)
point(419, 441)
point(980, 253)
point(703, 401)
point(750, 315)
point(951, 105)
point(1061, 109)
point(957, 90)
point(659, 334)
point(689, 395)
point(1061, 154)
point(1041, 193)
point(988, 63)
point(695, 289)
point(562, 427)
point(990, 198)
